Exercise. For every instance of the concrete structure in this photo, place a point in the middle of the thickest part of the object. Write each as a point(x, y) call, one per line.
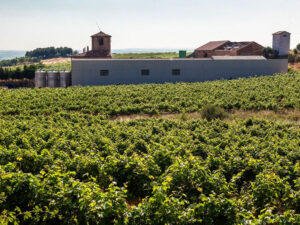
point(228, 48)
point(101, 47)
point(281, 42)
point(89, 72)
point(253, 57)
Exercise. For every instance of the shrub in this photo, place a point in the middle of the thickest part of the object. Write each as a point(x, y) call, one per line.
point(295, 51)
point(211, 112)
point(270, 53)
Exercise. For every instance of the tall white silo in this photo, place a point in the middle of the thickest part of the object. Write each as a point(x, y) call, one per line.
point(282, 42)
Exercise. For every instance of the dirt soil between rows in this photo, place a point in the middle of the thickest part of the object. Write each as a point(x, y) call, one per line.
point(283, 115)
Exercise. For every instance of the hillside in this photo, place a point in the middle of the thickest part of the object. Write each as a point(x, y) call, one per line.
point(150, 154)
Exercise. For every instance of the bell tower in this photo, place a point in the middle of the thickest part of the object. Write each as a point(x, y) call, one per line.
point(101, 43)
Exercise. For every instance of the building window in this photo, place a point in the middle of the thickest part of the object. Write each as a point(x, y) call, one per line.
point(145, 72)
point(101, 41)
point(176, 72)
point(104, 72)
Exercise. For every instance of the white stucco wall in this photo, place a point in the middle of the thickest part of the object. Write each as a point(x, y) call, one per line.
point(281, 43)
point(86, 72)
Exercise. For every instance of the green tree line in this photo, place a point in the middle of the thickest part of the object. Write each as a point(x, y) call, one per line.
point(38, 54)
point(27, 71)
point(50, 52)
point(19, 60)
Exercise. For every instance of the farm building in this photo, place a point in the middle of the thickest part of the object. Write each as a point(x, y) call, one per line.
point(228, 48)
point(101, 47)
point(215, 60)
point(281, 42)
point(90, 72)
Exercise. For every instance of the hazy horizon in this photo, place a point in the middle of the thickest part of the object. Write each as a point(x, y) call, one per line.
point(133, 24)
point(11, 54)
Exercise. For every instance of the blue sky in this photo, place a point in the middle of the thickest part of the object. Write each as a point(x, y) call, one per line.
point(28, 24)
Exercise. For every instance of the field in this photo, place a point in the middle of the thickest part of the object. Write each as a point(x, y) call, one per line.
point(148, 154)
point(63, 63)
point(158, 55)
point(58, 64)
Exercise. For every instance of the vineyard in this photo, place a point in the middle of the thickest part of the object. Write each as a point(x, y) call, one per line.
point(64, 159)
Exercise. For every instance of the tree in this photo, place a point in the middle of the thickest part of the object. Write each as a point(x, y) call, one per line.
point(298, 47)
point(50, 52)
point(2, 74)
point(295, 51)
point(270, 53)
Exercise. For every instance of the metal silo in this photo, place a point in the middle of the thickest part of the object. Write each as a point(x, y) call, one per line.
point(36, 78)
point(53, 79)
point(40, 79)
point(65, 78)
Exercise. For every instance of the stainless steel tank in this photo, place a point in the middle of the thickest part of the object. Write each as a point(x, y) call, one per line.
point(40, 79)
point(65, 79)
point(53, 79)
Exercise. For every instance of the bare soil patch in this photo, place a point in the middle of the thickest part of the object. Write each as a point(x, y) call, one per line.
point(282, 115)
point(56, 60)
point(295, 66)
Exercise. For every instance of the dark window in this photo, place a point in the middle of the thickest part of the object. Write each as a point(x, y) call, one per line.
point(101, 41)
point(176, 72)
point(104, 72)
point(145, 72)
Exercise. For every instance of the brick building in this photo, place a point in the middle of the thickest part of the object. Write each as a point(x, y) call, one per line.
point(101, 47)
point(228, 48)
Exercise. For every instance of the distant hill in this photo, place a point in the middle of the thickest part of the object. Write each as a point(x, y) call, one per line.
point(10, 54)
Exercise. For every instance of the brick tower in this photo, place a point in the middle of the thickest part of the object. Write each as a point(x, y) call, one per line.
point(101, 47)
point(101, 42)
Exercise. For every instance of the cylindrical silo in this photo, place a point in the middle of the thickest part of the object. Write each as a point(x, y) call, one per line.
point(53, 79)
point(65, 79)
point(40, 79)
point(36, 78)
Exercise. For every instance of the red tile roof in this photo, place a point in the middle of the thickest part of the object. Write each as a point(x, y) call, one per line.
point(93, 54)
point(281, 32)
point(210, 46)
point(101, 34)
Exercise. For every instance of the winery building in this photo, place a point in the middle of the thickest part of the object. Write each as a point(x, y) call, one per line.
point(228, 48)
point(214, 60)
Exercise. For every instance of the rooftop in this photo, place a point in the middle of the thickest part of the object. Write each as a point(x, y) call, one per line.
point(175, 60)
point(93, 54)
point(210, 46)
point(101, 34)
point(281, 32)
point(235, 45)
point(251, 57)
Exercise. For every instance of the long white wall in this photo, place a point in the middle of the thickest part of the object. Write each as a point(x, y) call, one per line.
point(86, 72)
